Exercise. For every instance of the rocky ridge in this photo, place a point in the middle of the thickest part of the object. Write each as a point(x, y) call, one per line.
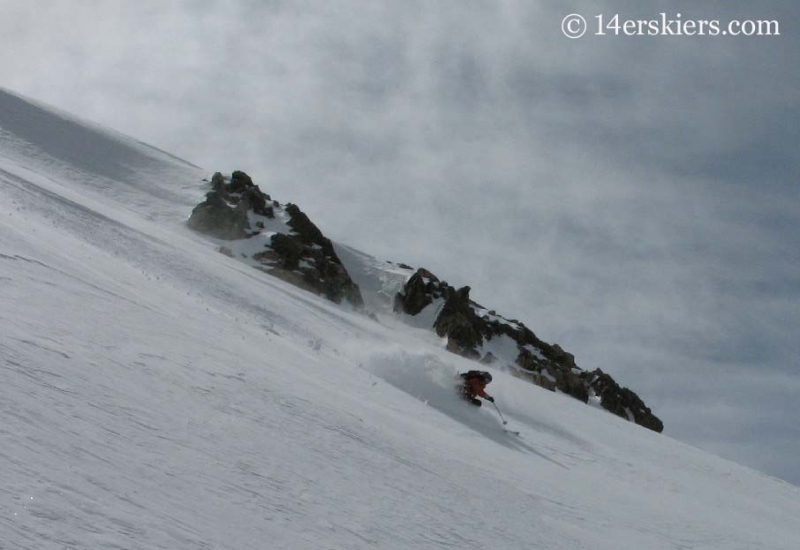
point(280, 240)
point(480, 334)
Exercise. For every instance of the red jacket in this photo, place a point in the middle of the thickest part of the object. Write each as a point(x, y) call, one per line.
point(475, 386)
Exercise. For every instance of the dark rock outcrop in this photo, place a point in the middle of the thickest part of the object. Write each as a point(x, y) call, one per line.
point(420, 291)
point(215, 217)
point(622, 401)
point(470, 329)
point(296, 252)
point(460, 324)
point(308, 252)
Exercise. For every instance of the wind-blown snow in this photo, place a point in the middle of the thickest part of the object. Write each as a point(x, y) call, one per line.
point(502, 346)
point(378, 280)
point(157, 394)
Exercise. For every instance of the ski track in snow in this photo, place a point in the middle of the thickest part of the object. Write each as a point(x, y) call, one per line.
point(158, 395)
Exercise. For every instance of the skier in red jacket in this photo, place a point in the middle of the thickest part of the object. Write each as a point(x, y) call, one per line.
point(474, 386)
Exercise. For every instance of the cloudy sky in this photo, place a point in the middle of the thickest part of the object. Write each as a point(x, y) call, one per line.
point(635, 199)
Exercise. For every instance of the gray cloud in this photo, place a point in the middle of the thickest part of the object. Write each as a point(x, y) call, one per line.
point(634, 199)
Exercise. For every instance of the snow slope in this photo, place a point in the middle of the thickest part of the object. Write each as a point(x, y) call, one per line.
point(157, 394)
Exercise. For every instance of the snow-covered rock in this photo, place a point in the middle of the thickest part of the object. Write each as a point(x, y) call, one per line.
point(280, 240)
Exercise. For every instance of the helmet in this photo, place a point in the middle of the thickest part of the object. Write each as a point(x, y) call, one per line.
point(486, 377)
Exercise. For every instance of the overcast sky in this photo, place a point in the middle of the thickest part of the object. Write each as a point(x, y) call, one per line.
point(634, 199)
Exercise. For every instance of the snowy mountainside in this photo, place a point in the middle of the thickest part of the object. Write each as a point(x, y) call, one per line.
point(249, 225)
point(420, 299)
point(158, 394)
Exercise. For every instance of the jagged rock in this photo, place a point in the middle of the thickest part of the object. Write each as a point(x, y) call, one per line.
point(558, 355)
point(289, 249)
point(338, 285)
point(324, 271)
point(302, 256)
point(459, 323)
point(218, 182)
point(622, 401)
point(554, 375)
point(308, 232)
point(547, 365)
point(571, 384)
point(419, 292)
point(528, 361)
point(240, 182)
point(214, 217)
point(255, 200)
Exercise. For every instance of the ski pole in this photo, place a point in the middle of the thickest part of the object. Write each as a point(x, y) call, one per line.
point(501, 414)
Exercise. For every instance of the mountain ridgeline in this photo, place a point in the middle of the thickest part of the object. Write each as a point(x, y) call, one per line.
point(282, 241)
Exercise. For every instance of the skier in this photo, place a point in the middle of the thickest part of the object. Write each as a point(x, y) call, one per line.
point(473, 385)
